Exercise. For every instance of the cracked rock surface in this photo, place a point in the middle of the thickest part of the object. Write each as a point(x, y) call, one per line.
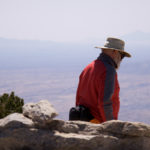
point(23, 132)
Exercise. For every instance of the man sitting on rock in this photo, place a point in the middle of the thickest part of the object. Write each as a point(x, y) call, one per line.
point(98, 88)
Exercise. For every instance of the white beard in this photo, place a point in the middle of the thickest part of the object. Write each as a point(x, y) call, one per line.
point(118, 62)
point(118, 65)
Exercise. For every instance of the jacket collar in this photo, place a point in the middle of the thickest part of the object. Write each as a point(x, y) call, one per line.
point(105, 58)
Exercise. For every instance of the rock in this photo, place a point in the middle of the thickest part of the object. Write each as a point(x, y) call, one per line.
point(40, 113)
point(18, 132)
point(15, 120)
point(76, 135)
point(127, 128)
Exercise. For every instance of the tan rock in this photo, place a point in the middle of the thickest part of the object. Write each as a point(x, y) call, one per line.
point(41, 112)
point(18, 132)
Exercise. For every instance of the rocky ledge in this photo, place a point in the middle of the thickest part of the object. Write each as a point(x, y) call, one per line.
point(36, 129)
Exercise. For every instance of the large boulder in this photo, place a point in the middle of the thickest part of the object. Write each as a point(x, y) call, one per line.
point(19, 132)
point(76, 135)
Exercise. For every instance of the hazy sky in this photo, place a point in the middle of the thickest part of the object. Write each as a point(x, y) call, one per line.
point(72, 20)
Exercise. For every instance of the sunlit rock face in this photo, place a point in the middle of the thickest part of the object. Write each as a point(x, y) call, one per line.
point(41, 112)
point(37, 129)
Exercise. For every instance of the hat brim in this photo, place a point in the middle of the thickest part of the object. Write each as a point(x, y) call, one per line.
point(124, 52)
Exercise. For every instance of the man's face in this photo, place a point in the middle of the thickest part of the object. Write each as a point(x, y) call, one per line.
point(118, 56)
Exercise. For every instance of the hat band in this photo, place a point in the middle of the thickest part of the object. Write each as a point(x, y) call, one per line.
point(115, 46)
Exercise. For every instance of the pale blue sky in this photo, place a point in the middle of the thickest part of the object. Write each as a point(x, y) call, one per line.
point(72, 20)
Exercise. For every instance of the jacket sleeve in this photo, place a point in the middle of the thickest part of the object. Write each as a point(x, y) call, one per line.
point(106, 93)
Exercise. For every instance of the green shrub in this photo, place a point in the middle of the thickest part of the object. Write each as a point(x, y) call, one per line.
point(9, 103)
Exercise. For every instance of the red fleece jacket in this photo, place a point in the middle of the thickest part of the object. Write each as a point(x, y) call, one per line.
point(98, 89)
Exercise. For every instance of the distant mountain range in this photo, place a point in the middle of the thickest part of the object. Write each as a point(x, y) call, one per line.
point(36, 54)
point(138, 37)
point(30, 54)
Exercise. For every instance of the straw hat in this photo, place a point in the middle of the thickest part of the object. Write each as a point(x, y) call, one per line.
point(115, 44)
